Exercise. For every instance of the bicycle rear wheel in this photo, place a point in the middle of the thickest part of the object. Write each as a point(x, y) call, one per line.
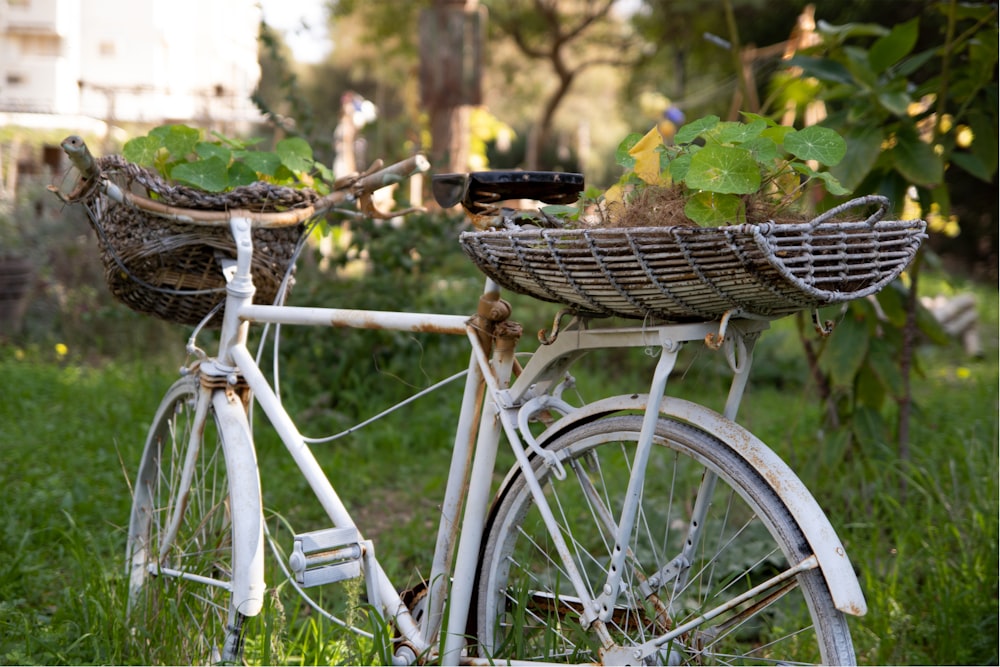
point(527, 609)
point(180, 565)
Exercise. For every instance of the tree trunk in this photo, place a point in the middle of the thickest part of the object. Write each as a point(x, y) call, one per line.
point(541, 134)
point(450, 77)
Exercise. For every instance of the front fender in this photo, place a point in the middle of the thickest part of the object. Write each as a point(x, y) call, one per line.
point(833, 561)
point(245, 499)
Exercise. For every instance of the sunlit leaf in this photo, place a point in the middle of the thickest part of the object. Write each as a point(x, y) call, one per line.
point(180, 140)
point(142, 150)
point(816, 143)
point(763, 149)
point(614, 194)
point(829, 181)
point(752, 117)
point(323, 171)
point(623, 158)
point(241, 174)
point(647, 157)
point(261, 162)
point(211, 175)
point(234, 143)
point(738, 133)
point(712, 209)
point(679, 167)
point(723, 169)
point(692, 130)
point(295, 153)
point(205, 150)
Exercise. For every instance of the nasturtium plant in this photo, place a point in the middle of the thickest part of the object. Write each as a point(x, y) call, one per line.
point(718, 166)
point(184, 155)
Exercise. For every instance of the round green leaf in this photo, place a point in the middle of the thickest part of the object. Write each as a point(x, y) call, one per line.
point(180, 139)
point(295, 153)
point(816, 143)
point(723, 169)
point(241, 174)
point(211, 175)
point(712, 209)
point(738, 133)
point(142, 150)
point(763, 149)
point(622, 156)
point(261, 162)
point(206, 149)
point(695, 128)
point(831, 184)
point(679, 167)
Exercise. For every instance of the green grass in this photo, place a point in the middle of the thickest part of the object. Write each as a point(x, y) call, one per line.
point(922, 533)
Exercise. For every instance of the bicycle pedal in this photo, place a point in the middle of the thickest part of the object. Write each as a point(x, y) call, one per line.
point(326, 556)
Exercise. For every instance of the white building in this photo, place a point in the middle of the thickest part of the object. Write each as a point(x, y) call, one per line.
point(128, 61)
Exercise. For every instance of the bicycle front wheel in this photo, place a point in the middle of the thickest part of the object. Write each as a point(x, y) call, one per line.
point(687, 560)
point(180, 544)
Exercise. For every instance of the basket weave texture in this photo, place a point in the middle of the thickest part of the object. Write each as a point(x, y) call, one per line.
point(172, 270)
point(688, 274)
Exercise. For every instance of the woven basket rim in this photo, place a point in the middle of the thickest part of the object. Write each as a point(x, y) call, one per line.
point(773, 268)
point(663, 230)
point(258, 196)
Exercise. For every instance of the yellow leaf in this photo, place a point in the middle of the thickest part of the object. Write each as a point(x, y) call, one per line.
point(614, 194)
point(647, 159)
point(614, 202)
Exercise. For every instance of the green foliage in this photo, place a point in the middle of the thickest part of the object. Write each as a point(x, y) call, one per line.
point(860, 361)
point(908, 114)
point(414, 267)
point(182, 154)
point(908, 117)
point(926, 557)
point(717, 165)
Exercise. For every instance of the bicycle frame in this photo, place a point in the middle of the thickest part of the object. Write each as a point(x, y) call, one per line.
point(491, 405)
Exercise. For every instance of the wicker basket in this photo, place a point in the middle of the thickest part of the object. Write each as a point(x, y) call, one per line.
point(687, 274)
point(171, 269)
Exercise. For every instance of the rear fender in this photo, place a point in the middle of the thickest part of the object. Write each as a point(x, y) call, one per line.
point(833, 561)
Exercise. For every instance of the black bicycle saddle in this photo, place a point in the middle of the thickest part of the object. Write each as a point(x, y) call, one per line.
point(477, 191)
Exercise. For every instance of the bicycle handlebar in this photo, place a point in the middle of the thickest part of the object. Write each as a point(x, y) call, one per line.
point(347, 189)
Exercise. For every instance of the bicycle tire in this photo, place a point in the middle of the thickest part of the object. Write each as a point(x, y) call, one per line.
point(524, 609)
point(179, 620)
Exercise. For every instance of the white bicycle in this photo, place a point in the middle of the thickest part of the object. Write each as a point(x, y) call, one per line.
point(634, 529)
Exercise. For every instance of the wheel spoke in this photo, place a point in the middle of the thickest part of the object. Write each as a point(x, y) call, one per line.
point(180, 538)
point(705, 585)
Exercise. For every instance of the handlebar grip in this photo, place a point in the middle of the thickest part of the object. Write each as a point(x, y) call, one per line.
point(394, 173)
